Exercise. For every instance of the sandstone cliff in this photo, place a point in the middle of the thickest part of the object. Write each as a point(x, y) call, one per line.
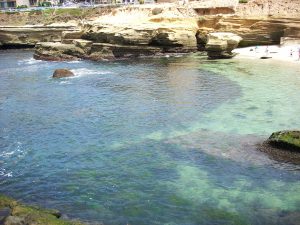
point(163, 28)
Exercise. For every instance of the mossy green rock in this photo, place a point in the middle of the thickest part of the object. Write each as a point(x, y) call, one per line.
point(23, 214)
point(7, 202)
point(286, 139)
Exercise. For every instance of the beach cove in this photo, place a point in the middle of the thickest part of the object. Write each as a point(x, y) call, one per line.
point(183, 152)
point(168, 114)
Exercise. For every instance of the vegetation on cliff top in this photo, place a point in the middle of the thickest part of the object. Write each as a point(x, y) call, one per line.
point(49, 16)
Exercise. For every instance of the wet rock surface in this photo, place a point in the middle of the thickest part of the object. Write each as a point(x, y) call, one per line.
point(289, 140)
point(15, 213)
point(61, 73)
point(283, 146)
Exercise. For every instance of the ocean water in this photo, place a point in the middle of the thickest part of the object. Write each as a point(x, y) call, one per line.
point(150, 141)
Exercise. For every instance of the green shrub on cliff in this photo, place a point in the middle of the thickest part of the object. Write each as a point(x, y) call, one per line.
point(22, 6)
point(243, 1)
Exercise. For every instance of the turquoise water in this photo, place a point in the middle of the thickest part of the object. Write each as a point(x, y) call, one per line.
point(149, 141)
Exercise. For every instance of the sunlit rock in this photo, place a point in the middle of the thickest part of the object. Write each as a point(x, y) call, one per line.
point(220, 45)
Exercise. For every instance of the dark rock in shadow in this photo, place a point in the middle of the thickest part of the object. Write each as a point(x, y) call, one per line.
point(283, 146)
point(279, 154)
point(4, 212)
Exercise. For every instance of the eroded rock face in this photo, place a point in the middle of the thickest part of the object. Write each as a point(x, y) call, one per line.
point(103, 51)
point(175, 40)
point(286, 140)
point(220, 45)
point(61, 73)
point(254, 31)
point(55, 51)
point(178, 39)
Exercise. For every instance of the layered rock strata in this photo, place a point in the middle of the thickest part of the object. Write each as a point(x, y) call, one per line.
point(146, 30)
point(220, 45)
point(99, 41)
point(30, 35)
point(254, 31)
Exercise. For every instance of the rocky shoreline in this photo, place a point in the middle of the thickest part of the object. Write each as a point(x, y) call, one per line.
point(13, 212)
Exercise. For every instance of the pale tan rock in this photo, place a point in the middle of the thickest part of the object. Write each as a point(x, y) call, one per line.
point(72, 34)
point(30, 35)
point(254, 31)
point(220, 45)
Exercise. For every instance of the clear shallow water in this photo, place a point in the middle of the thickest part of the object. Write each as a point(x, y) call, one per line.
point(149, 141)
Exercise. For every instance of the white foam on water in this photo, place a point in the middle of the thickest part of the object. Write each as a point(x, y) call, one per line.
point(74, 62)
point(29, 61)
point(15, 150)
point(86, 72)
point(7, 154)
point(64, 82)
point(4, 173)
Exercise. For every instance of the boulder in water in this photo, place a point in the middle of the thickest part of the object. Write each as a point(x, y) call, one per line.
point(289, 140)
point(60, 73)
point(283, 146)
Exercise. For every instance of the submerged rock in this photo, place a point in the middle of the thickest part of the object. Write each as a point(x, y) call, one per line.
point(220, 45)
point(60, 73)
point(283, 146)
point(289, 140)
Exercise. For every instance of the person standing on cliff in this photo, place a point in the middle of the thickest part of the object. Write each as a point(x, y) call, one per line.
point(299, 54)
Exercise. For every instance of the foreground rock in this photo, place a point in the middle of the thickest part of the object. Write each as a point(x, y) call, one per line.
point(283, 146)
point(60, 73)
point(220, 45)
point(20, 214)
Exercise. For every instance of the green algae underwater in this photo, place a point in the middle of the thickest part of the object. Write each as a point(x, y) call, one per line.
point(149, 141)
